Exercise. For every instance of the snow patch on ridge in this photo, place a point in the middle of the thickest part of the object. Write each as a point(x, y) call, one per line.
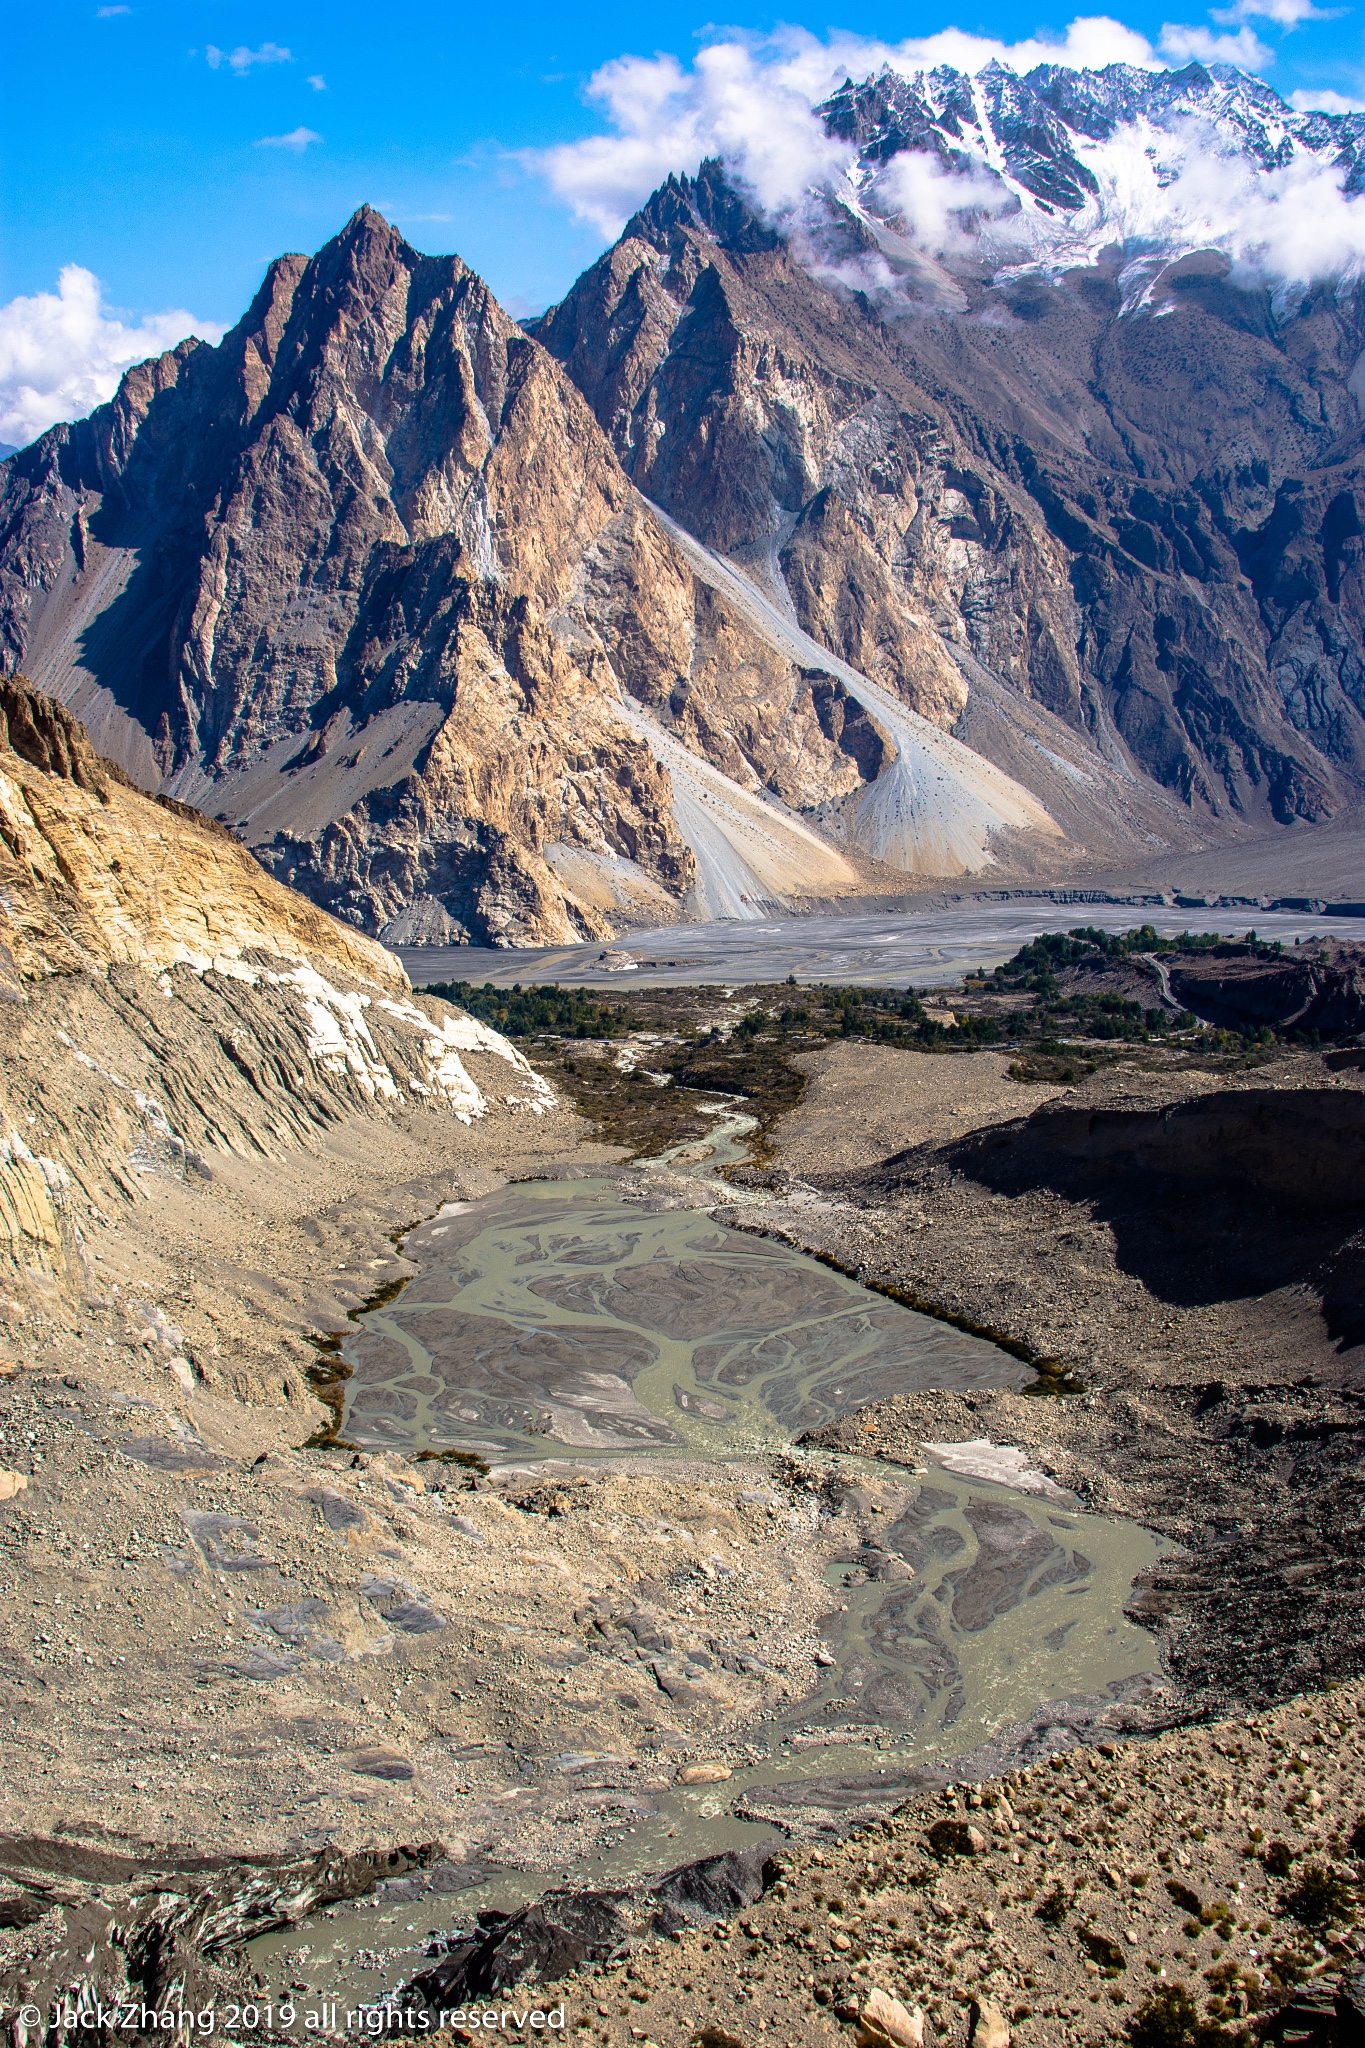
point(338, 1036)
point(340, 1039)
point(446, 1040)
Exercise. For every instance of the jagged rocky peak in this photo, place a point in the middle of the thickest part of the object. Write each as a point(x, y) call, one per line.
point(709, 201)
point(955, 119)
point(716, 589)
point(307, 579)
point(889, 112)
point(368, 581)
point(1007, 468)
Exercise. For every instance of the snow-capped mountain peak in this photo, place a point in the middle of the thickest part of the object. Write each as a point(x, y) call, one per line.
point(1050, 168)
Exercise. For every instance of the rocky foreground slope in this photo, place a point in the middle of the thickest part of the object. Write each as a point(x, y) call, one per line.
point(174, 1013)
point(1192, 1893)
point(244, 1674)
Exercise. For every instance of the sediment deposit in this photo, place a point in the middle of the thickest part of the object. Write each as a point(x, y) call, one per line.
point(1186, 1246)
point(246, 1666)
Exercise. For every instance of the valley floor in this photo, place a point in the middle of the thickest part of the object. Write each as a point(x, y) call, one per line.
point(1221, 1407)
point(1215, 1332)
point(218, 1640)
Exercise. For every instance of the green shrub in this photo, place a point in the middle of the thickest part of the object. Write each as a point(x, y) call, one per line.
point(521, 1012)
point(1169, 2018)
point(1321, 1897)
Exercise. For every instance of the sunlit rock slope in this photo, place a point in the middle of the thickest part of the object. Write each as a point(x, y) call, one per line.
point(168, 1003)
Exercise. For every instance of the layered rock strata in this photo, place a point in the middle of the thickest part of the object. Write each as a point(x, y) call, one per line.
point(170, 1004)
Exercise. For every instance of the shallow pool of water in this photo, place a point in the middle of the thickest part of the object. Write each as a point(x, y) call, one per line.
point(583, 1320)
point(560, 1313)
point(1014, 1602)
point(563, 1319)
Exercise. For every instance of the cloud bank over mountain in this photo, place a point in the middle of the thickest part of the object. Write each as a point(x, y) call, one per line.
point(63, 352)
point(753, 105)
point(995, 156)
point(1160, 158)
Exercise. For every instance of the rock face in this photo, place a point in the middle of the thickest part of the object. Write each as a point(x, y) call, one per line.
point(1323, 994)
point(370, 582)
point(94, 874)
point(1268, 1145)
point(1132, 513)
point(564, 1930)
point(168, 1001)
point(311, 572)
point(1050, 142)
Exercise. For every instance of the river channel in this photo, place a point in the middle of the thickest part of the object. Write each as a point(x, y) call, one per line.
point(582, 1321)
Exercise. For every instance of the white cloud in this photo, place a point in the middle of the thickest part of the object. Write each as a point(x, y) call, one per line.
point(1284, 13)
point(1168, 190)
point(108, 13)
point(751, 103)
point(1291, 223)
point(317, 81)
point(1319, 100)
point(62, 353)
point(297, 139)
point(1181, 42)
point(937, 207)
point(241, 60)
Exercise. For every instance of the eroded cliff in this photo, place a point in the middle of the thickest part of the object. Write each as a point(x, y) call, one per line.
point(170, 1005)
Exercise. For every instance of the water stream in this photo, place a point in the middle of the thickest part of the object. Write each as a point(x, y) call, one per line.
point(561, 1316)
point(584, 1321)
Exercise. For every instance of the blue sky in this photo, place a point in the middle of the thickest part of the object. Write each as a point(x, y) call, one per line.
point(127, 152)
point(172, 150)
